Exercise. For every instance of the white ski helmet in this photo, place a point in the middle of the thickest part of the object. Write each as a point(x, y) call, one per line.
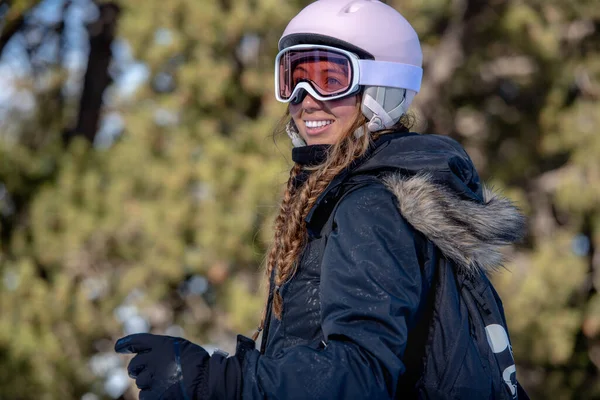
point(373, 31)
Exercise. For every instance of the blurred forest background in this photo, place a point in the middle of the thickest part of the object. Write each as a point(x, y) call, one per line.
point(139, 177)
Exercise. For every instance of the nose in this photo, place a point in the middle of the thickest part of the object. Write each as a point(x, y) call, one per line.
point(309, 103)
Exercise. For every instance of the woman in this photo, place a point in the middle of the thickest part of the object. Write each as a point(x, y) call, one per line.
point(377, 270)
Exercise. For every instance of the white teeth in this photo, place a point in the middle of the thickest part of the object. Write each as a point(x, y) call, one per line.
point(317, 124)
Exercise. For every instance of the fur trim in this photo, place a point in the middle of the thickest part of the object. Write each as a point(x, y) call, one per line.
point(469, 233)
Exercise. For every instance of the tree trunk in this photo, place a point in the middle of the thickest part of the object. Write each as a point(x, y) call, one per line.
point(9, 30)
point(97, 78)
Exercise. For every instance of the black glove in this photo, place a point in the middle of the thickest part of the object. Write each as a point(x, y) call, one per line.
point(171, 368)
point(165, 367)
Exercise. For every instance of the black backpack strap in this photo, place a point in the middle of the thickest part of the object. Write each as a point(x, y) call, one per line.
point(418, 339)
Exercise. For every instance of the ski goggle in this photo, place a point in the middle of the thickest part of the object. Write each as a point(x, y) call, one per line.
point(329, 73)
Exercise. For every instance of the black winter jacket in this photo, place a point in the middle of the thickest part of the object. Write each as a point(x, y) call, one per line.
point(350, 326)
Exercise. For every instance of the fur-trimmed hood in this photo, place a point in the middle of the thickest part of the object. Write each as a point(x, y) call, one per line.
point(439, 193)
point(468, 232)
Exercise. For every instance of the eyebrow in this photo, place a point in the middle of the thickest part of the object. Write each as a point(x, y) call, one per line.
point(340, 70)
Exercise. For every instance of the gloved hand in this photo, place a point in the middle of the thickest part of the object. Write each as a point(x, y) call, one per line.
point(165, 367)
point(171, 368)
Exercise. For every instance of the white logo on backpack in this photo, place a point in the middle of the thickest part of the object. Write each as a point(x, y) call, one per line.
point(498, 340)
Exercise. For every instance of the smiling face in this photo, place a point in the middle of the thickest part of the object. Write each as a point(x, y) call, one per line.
point(323, 122)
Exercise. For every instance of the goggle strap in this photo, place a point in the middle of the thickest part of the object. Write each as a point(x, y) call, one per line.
point(390, 74)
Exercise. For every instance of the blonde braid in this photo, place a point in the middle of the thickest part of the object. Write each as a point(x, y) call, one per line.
point(292, 243)
point(279, 227)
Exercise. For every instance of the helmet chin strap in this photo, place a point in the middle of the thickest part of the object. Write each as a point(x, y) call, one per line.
point(292, 132)
point(360, 132)
point(381, 119)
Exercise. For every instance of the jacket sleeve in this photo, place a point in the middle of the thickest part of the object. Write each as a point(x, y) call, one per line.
point(370, 291)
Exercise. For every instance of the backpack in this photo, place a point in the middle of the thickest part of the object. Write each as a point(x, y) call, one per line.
point(444, 360)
